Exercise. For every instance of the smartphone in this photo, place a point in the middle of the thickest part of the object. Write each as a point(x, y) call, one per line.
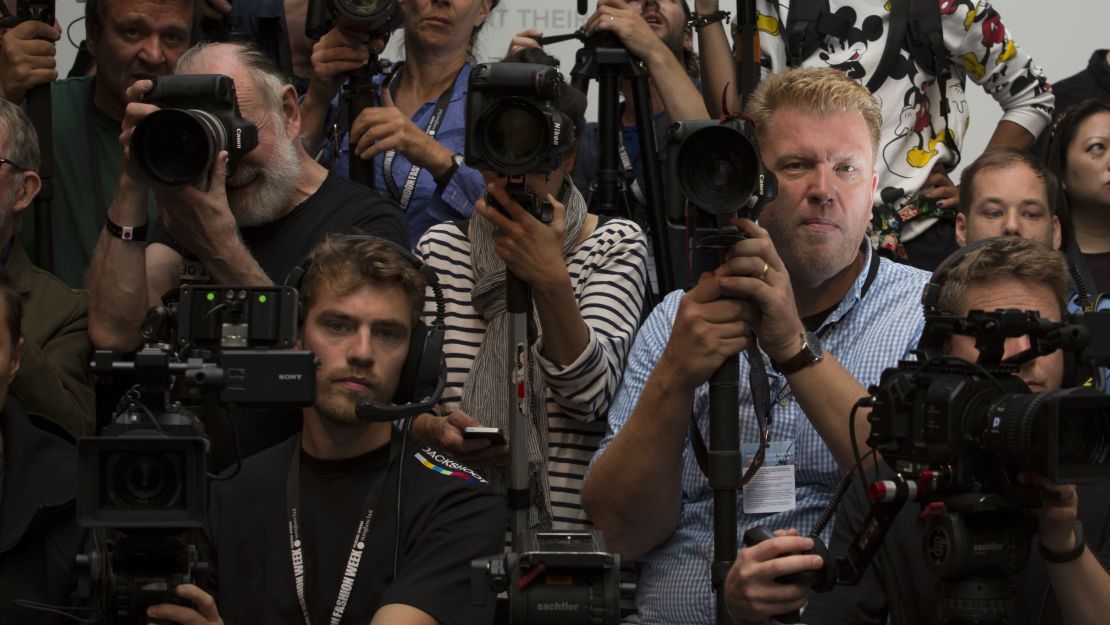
point(493, 435)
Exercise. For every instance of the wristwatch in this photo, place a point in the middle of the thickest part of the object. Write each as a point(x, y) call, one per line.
point(811, 353)
point(442, 179)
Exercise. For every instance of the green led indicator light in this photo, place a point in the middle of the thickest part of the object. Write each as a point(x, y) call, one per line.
point(211, 297)
point(261, 299)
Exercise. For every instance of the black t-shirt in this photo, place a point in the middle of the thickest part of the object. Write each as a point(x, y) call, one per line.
point(898, 582)
point(448, 517)
point(1099, 266)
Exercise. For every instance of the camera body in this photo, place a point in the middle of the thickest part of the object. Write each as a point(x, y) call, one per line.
point(716, 166)
point(558, 578)
point(373, 16)
point(513, 124)
point(973, 426)
point(175, 147)
point(41, 10)
point(514, 127)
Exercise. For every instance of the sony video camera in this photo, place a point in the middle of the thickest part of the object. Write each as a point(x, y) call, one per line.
point(175, 147)
point(144, 479)
point(363, 15)
point(716, 166)
point(558, 578)
point(514, 126)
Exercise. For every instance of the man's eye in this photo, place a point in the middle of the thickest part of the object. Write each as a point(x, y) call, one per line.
point(336, 326)
point(847, 168)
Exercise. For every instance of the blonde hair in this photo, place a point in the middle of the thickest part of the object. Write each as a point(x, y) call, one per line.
point(346, 262)
point(822, 91)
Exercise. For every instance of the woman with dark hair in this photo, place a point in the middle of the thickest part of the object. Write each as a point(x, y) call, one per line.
point(587, 276)
point(1079, 154)
point(414, 138)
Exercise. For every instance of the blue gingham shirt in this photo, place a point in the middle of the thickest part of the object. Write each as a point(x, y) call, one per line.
point(865, 335)
point(426, 208)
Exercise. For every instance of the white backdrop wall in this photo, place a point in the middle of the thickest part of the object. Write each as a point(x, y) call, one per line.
point(1060, 35)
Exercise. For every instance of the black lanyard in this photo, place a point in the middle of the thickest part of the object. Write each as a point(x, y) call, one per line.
point(358, 545)
point(405, 195)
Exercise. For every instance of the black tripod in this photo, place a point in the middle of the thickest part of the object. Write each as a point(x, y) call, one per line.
point(607, 61)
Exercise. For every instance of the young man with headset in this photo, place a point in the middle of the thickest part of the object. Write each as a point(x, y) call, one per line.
point(353, 520)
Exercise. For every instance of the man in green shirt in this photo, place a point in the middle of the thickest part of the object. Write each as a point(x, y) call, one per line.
point(129, 40)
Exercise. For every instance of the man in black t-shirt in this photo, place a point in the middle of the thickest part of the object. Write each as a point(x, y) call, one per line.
point(249, 229)
point(351, 521)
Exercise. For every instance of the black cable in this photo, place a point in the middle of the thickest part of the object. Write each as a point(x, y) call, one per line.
point(230, 419)
point(59, 610)
point(69, 34)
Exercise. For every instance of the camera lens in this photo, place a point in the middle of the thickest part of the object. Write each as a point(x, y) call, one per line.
point(377, 11)
point(174, 148)
point(514, 135)
point(146, 481)
point(718, 168)
point(1055, 433)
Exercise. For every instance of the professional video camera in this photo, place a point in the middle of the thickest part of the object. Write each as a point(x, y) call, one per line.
point(557, 578)
point(957, 433)
point(144, 480)
point(716, 167)
point(363, 15)
point(176, 146)
point(514, 126)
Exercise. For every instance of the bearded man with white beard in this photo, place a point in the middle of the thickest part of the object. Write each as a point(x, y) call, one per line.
point(251, 228)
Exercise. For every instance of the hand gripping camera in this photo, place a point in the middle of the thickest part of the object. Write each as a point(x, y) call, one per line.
point(176, 146)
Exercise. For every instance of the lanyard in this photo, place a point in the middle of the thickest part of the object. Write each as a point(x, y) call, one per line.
point(358, 545)
point(405, 195)
point(630, 172)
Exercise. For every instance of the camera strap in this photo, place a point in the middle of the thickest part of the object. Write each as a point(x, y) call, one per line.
point(630, 172)
point(404, 196)
point(358, 545)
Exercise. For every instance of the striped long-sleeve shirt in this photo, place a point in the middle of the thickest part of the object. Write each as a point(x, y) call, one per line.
point(608, 275)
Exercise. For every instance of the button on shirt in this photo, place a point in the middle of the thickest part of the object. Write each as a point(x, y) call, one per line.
point(865, 335)
point(426, 207)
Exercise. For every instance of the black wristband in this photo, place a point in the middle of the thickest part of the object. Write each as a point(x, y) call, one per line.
point(1060, 558)
point(125, 233)
point(698, 22)
point(442, 180)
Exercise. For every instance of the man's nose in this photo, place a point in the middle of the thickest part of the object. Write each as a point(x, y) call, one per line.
point(821, 189)
point(1012, 225)
point(152, 51)
point(360, 348)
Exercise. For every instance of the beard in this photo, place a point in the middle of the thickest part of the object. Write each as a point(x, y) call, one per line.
point(269, 188)
point(337, 404)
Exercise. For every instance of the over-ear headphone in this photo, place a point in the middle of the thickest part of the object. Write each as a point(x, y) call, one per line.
point(424, 373)
point(936, 334)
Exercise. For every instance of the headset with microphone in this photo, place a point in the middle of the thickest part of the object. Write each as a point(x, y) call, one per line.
point(424, 373)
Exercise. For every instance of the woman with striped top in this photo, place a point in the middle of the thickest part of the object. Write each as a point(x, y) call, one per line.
point(587, 278)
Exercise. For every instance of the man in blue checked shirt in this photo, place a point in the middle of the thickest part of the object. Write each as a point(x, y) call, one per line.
point(830, 318)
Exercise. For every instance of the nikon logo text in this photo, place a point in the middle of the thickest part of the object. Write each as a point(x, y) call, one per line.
point(555, 134)
point(289, 377)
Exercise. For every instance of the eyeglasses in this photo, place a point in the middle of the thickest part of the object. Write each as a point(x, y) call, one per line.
point(17, 167)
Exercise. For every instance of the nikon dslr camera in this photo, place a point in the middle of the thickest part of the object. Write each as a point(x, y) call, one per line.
point(176, 146)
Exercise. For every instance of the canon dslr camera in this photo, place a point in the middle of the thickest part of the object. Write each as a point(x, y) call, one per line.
point(176, 146)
